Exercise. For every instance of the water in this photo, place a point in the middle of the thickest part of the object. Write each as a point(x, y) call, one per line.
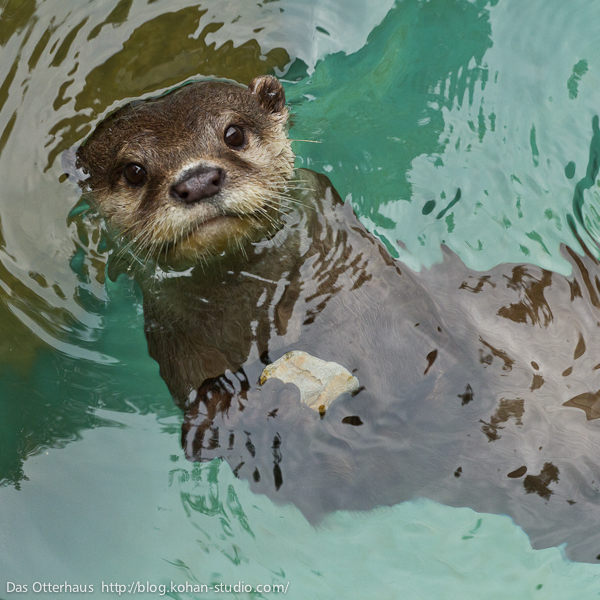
point(411, 103)
point(498, 103)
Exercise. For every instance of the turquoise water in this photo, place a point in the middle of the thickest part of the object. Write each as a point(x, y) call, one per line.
point(497, 100)
point(410, 104)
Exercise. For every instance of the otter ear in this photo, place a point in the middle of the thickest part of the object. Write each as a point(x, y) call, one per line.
point(268, 93)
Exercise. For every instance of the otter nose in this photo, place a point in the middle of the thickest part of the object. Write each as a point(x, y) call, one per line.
point(203, 182)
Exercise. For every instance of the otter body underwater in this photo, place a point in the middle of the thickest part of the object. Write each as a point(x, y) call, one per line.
point(474, 388)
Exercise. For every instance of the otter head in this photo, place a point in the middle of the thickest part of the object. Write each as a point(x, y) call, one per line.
point(193, 173)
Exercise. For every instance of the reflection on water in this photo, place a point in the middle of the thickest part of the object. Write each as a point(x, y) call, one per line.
point(140, 68)
point(479, 421)
point(458, 123)
point(395, 92)
point(486, 112)
point(174, 521)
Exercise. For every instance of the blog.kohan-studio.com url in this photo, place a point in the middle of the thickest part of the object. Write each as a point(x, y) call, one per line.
point(145, 587)
point(140, 587)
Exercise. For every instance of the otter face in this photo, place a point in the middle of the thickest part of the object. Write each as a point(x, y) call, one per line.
point(194, 173)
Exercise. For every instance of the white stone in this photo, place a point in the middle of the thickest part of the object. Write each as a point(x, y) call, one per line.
point(320, 382)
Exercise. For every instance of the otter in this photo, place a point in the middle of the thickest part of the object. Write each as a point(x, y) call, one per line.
point(476, 389)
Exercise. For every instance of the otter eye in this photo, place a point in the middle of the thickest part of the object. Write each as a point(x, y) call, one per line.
point(135, 174)
point(234, 136)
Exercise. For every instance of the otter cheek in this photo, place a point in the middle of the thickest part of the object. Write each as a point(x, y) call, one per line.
point(120, 210)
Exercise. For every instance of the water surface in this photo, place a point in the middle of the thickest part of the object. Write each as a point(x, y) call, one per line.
point(472, 124)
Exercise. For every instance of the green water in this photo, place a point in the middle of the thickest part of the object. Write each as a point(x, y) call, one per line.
point(410, 104)
point(495, 99)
